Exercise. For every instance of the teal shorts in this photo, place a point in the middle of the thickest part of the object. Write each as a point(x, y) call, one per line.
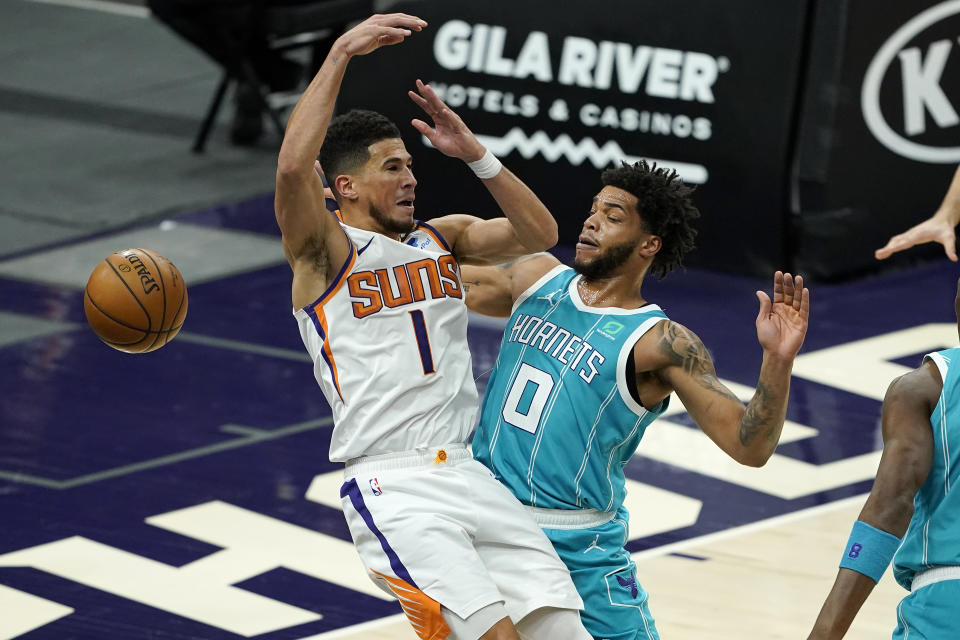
point(930, 613)
point(614, 603)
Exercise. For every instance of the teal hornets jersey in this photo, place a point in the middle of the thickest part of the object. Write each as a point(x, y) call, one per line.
point(558, 420)
point(933, 537)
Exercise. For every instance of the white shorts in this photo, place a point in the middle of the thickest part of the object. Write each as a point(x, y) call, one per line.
point(434, 527)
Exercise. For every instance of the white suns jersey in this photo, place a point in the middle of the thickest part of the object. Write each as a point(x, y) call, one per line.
point(388, 340)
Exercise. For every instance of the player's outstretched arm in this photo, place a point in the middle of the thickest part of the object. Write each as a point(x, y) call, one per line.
point(492, 290)
point(906, 460)
point(747, 434)
point(314, 244)
point(529, 226)
point(940, 227)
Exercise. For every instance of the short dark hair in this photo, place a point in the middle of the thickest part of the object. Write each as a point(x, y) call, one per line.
point(348, 136)
point(665, 207)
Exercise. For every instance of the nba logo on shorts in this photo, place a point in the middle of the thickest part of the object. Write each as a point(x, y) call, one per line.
point(375, 486)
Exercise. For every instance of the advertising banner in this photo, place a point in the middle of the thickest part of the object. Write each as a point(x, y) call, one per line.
point(560, 91)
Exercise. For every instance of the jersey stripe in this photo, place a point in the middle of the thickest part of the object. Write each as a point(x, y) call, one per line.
point(499, 422)
point(338, 281)
point(549, 275)
point(589, 449)
point(333, 208)
point(546, 415)
point(320, 318)
point(352, 489)
point(433, 233)
point(588, 427)
point(930, 540)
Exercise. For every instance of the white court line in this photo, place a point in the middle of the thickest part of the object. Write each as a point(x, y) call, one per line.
point(649, 553)
point(749, 528)
point(363, 626)
point(105, 6)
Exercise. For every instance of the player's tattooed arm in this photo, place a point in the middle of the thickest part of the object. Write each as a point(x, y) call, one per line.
point(748, 434)
point(761, 416)
point(683, 349)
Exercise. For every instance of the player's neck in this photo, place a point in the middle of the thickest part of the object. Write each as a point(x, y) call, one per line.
point(363, 220)
point(613, 291)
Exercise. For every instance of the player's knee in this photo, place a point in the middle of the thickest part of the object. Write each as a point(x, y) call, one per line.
point(551, 623)
point(488, 623)
point(501, 630)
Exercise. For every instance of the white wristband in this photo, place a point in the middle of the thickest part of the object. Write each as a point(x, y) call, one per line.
point(486, 167)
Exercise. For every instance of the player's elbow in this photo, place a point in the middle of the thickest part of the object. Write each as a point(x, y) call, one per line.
point(754, 460)
point(755, 456)
point(287, 167)
point(552, 236)
point(292, 165)
point(546, 237)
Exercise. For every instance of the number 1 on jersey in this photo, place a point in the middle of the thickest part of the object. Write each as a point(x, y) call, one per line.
point(423, 343)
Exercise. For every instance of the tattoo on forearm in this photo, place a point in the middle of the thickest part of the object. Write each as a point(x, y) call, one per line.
point(468, 284)
point(684, 349)
point(760, 416)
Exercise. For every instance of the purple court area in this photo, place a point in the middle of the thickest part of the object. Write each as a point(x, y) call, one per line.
point(93, 442)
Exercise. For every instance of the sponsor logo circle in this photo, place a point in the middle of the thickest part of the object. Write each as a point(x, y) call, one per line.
point(872, 81)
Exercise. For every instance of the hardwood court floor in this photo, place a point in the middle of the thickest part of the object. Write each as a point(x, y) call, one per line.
point(187, 494)
point(763, 581)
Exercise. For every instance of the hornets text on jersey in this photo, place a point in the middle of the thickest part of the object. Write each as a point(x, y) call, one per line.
point(558, 420)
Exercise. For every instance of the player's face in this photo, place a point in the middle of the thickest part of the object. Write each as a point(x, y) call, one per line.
point(610, 235)
point(387, 185)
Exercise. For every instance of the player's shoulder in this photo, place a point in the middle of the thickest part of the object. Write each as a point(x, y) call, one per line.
point(669, 343)
point(449, 226)
point(527, 271)
point(923, 384)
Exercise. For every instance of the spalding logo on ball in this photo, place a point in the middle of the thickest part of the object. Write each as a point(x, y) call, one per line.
point(135, 300)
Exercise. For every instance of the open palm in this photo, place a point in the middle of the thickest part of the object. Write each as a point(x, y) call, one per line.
point(937, 228)
point(782, 322)
point(449, 134)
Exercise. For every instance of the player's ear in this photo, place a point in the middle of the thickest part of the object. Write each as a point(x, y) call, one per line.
point(650, 245)
point(346, 186)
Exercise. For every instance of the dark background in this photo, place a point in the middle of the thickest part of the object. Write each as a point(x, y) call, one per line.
point(795, 178)
point(98, 110)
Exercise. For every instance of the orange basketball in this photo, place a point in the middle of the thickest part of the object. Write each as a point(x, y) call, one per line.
point(135, 300)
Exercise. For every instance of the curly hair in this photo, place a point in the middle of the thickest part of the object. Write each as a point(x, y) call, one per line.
point(348, 136)
point(665, 207)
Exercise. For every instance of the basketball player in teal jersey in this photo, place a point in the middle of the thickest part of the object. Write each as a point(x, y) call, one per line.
point(914, 492)
point(587, 363)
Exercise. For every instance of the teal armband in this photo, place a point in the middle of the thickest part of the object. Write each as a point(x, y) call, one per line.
point(869, 550)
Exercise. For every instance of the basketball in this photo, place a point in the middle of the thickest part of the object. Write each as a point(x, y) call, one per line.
point(135, 300)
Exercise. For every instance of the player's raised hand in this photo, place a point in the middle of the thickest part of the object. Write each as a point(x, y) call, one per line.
point(782, 323)
point(937, 228)
point(449, 134)
point(378, 31)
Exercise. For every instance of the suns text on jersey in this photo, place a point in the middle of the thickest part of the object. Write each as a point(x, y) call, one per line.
point(371, 291)
point(567, 348)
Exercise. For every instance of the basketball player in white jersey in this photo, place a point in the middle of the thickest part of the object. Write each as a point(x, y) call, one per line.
point(912, 516)
point(379, 301)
